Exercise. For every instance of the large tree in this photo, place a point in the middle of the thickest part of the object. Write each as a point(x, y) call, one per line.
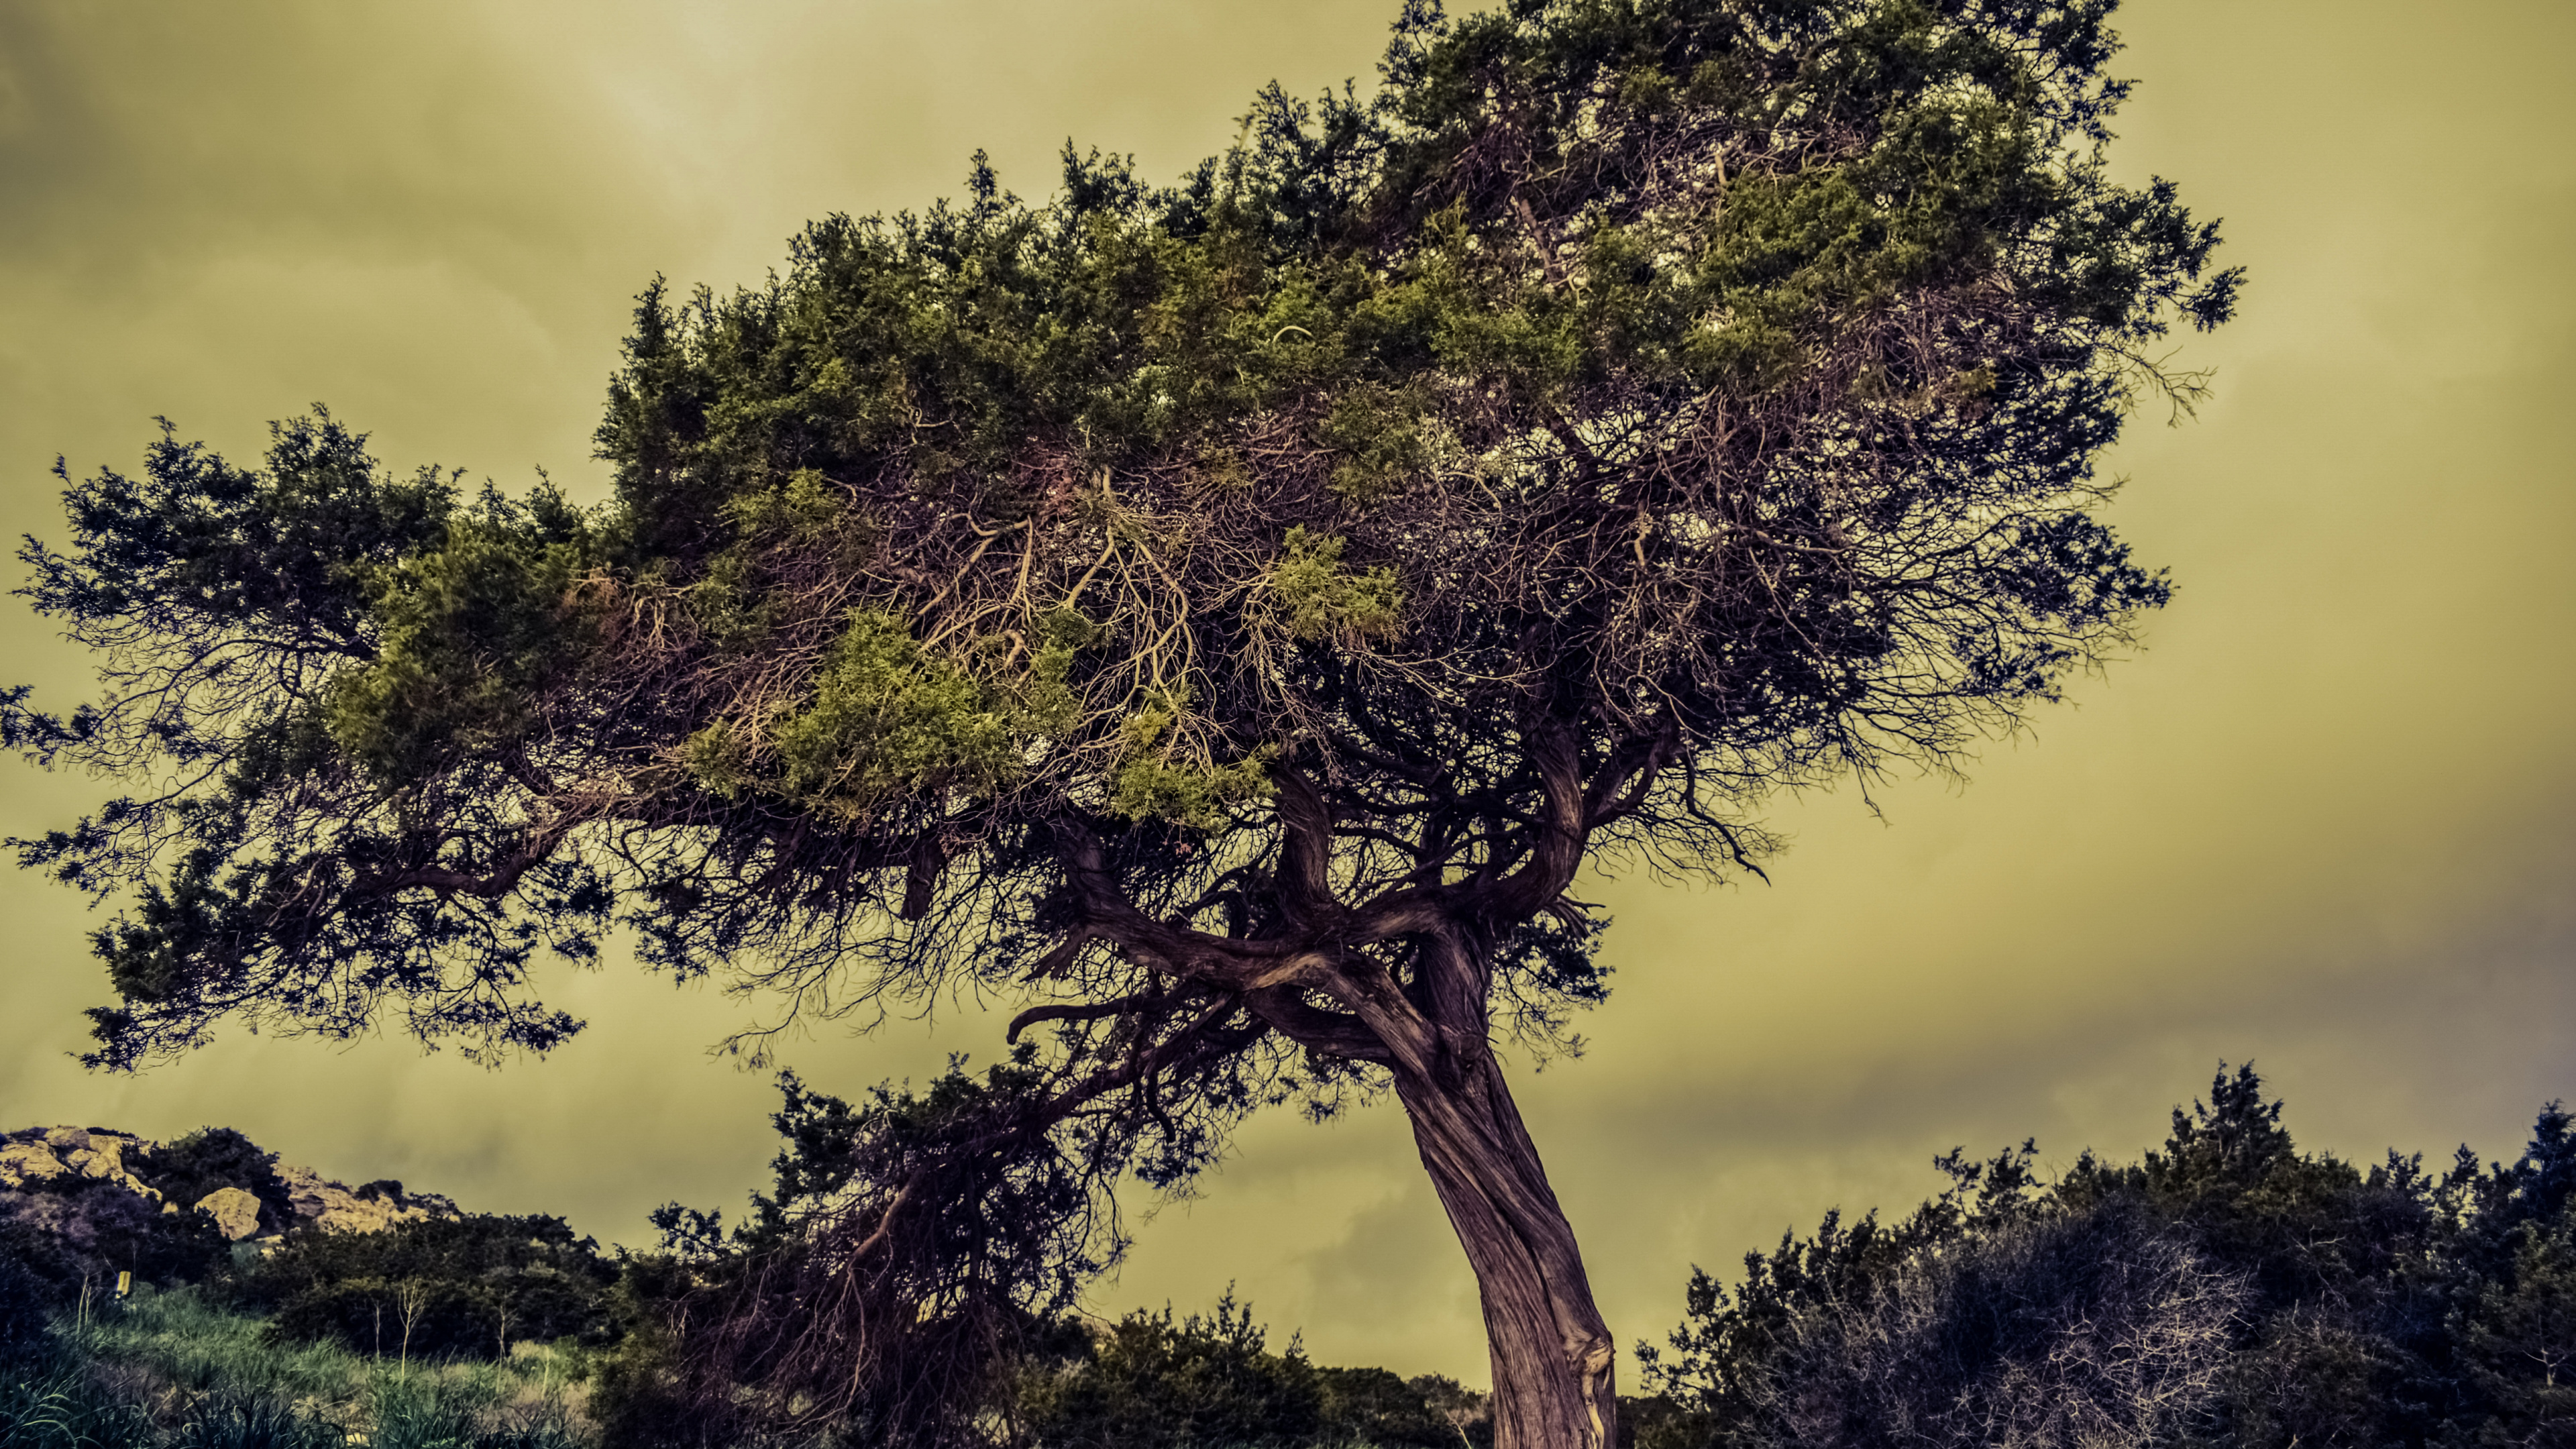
point(1225, 617)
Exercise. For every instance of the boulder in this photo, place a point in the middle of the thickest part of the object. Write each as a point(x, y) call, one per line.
point(326, 1204)
point(22, 1162)
point(53, 1181)
point(104, 1157)
point(235, 1211)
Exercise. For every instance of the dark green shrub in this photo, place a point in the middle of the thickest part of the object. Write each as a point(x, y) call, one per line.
point(213, 1158)
point(2384, 1306)
point(640, 1400)
point(1373, 1406)
point(66, 1228)
point(465, 1286)
point(1152, 1383)
point(26, 1298)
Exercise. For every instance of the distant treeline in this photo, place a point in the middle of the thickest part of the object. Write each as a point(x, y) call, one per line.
point(2228, 1290)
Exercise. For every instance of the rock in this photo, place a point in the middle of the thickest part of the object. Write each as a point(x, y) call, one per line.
point(334, 1206)
point(25, 1161)
point(42, 1190)
point(235, 1212)
point(105, 1157)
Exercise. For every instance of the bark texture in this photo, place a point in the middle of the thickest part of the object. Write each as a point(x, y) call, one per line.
point(1552, 1354)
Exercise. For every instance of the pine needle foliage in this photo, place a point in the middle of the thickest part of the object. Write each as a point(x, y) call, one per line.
point(1223, 615)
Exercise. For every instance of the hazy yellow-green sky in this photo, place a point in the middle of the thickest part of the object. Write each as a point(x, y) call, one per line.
point(2323, 822)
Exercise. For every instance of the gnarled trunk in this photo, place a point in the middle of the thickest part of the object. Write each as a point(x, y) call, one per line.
point(1552, 1354)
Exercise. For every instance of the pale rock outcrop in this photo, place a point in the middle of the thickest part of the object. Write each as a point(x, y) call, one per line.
point(235, 1212)
point(326, 1204)
point(22, 1162)
point(28, 1156)
point(34, 1162)
point(103, 1155)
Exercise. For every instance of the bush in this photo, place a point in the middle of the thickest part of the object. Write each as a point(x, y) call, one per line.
point(210, 1159)
point(26, 1297)
point(2228, 1291)
point(466, 1286)
point(2095, 1331)
point(1372, 1406)
point(63, 1229)
point(1151, 1383)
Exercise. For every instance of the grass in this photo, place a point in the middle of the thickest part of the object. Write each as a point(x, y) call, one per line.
point(174, 1371)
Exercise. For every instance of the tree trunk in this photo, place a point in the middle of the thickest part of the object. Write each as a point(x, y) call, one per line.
point(1552, 1354)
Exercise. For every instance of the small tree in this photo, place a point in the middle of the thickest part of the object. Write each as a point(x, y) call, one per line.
point(1225, 616)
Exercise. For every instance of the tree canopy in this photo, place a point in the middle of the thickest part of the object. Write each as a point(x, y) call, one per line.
point(1223, 616)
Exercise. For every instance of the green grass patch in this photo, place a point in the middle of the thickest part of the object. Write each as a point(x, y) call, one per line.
point(174, 1370)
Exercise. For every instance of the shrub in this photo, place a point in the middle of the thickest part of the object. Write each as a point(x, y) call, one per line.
point(2098, 1331)
point(60, 1230)
point(213, 1158)
point(465, 1286)
point(2228, 1291)
point(1372, 1406)
point(1151, 1383)
point(26, 1296)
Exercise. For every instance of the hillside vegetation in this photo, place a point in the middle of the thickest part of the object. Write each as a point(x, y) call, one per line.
point(2228, 1289)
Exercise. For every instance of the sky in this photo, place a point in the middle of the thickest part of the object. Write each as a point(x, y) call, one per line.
point(2322, 821)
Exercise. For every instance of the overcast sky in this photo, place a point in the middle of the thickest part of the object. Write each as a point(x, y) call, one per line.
point(2322, 822)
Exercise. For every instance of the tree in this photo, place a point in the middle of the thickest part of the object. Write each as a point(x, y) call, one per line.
point(1227, 615)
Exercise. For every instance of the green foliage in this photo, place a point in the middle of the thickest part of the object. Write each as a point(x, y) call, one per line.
point(173, 1370)
point(804, 507)
point(1428, 1411)
point(1150, 1382)
point(1325, 600)
point(464, 633)
point(50, 1402)
point(187, 1339)
point(885, 717)
point(188, 1168)
point(228, 1422)
point(1375, 434)
point(1152, 785)
point(2517, 1337)
point(2381, 1307)
point(463, 1287)
point(26, 1296)
point(888, 721)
